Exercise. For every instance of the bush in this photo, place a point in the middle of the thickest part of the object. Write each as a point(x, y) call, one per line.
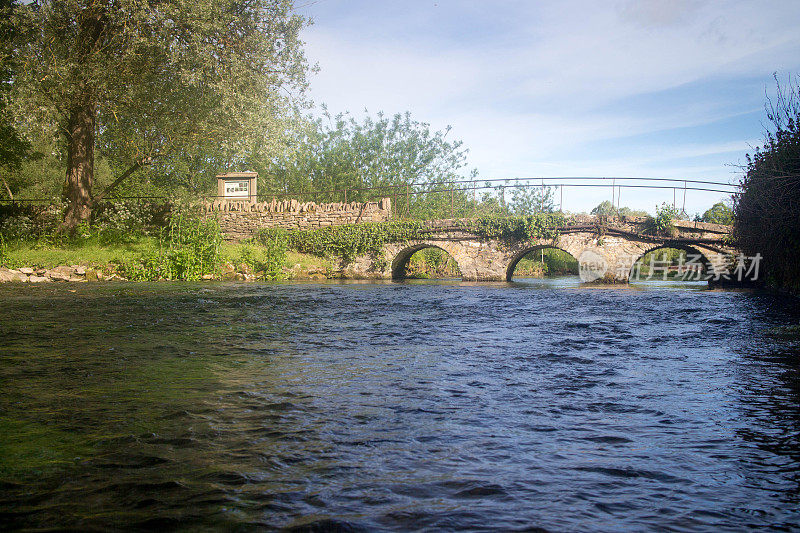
point(18, 228)
point(26, 222)
point(767, 212)
point(268, 264)
point(188, 248)
point(662, 224)
point(122, 222)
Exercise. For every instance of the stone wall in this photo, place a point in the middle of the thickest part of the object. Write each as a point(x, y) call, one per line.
point(240, 220)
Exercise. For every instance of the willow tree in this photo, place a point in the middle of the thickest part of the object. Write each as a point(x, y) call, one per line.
point(157, 80)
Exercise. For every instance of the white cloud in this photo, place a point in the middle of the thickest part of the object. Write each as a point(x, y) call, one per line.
point(532, 87)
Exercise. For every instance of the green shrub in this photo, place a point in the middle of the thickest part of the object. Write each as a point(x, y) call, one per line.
point(188, 248)
point(767, 212)
point(432, 263)
point(18, 228)
point(267, 263)
point(662, 224)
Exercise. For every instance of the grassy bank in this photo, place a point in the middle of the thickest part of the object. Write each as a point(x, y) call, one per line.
point(189, 246)
point(234, 260)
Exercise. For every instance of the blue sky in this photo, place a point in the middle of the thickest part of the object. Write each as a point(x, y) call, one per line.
point(655, 88)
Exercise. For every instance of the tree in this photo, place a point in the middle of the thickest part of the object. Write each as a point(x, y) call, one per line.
point(373, 156)
point(530, 200)
point(628, 212)
point(719, 213)
point(157, 81)
point(13, 148)
point(605, 208)
point(767, 212)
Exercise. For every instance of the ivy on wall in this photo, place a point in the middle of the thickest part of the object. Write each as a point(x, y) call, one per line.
point(351, 240)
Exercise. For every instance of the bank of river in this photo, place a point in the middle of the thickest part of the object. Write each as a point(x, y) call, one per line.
point(397, 406)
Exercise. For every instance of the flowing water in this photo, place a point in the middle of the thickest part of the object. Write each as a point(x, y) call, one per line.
point(397, 406)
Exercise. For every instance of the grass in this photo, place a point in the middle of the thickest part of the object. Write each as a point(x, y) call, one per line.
point(92, 253)
point(307, 262)
point(21, 254)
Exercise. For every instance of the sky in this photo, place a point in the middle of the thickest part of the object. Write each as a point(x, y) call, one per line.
point(645, 88)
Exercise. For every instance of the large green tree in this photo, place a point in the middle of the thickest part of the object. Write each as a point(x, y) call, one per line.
point(13, 148)
point(337, 152)
point(181, 84)
point(719, 213)
point(377, 155)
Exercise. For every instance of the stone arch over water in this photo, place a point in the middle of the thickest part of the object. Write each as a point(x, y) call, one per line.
point(708, 265)
point(403, 257)
point(516, 258)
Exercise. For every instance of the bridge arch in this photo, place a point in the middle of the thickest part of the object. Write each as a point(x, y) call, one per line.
point(403, 257)
point(516, 258)
point(708, 265)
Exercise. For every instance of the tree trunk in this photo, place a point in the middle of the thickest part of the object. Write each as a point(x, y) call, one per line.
point(80, 164)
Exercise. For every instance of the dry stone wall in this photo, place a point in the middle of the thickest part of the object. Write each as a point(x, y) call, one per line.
point(241, 220)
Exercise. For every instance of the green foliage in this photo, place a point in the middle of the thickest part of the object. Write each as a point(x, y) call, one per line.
point(431, 263)
point(662, 224)
point(13, 147)
point(338, 158)
point(606, 208)
point(340, 152)
point(267, 263)
point(120, 222)
point(718, 214)
point(188, 249)
point(628, 212)
point(18, 228)
point(194, 89)
point(26, 222)
point(767, 213)
point(527, 227)
point(546, 262)
point(531, 200)
point(116, 224)
point(349, 241)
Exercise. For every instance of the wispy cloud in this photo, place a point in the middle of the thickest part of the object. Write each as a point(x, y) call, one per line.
point(543, 87)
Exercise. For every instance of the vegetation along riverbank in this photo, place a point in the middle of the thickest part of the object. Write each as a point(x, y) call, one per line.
point(156, 244)
point(767, 212)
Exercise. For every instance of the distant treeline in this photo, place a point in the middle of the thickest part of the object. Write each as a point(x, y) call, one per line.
point(767, 213)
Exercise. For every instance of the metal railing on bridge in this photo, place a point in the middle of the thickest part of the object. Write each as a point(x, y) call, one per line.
point(403, 195)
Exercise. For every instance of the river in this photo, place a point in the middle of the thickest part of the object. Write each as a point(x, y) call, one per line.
point(397, 406)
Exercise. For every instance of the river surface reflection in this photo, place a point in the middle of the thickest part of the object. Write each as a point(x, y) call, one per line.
point(397, 406)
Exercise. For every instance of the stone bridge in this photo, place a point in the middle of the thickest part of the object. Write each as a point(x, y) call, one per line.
point(606, 249)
